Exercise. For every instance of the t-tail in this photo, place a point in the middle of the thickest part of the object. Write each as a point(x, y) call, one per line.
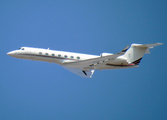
point(136, 52)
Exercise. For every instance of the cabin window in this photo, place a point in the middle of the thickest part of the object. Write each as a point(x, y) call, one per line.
point(65, 56)
point(71, 57)
point(78, 57)
point(59, 55)
point(53, 54)
point(40, 53)
point(46, 53)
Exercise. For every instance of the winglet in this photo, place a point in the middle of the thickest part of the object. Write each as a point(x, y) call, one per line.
point(80, 72)
point(125, 49)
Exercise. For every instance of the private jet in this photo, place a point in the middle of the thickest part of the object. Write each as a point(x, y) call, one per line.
point(84, 65)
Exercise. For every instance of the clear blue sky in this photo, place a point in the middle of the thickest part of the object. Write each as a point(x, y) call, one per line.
point(33, 90)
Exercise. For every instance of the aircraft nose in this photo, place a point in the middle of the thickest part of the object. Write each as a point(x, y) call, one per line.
point(12, 53)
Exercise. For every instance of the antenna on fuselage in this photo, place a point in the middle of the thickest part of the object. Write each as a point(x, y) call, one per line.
point(48, 49)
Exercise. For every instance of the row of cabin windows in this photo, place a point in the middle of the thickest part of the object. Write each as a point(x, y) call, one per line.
point(59, 55)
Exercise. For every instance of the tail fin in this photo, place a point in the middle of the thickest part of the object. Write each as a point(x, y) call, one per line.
point(135, 53)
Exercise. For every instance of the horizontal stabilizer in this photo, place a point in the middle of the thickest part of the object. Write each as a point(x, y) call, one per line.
point(147, 45)
point(154, 44)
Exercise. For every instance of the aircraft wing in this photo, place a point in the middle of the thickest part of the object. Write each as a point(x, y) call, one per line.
point(86, 68)
point(82, 73)
point(96, 60)
point(93, 61)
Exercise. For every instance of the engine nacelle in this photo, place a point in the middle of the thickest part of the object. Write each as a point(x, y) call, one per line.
point(120, 61)
point(105, 54)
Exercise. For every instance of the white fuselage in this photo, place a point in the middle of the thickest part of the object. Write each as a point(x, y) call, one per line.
point(60, 57)
point(84, 65)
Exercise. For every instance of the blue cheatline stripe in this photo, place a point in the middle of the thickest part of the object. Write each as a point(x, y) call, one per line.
point(48, 56)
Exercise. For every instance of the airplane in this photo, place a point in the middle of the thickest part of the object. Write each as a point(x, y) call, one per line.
point(84, 65)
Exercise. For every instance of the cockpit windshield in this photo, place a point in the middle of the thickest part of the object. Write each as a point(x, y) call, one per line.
point(21, 48)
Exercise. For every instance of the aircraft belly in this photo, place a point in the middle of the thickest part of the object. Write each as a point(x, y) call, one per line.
point(118, 62)
point(115, 67)
point(22, 55)
point(47, 59)
point(26, 57)
point(106, 67)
